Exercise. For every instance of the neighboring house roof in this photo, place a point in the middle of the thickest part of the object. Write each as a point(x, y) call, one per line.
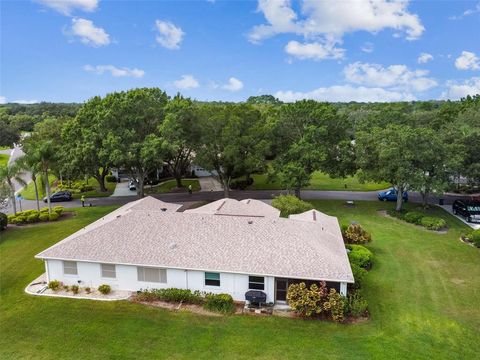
point(232, 207)
point(329, 223)
point(251, 245)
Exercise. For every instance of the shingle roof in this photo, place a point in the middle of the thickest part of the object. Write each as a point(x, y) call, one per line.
point(232, 207)
point(258, 246)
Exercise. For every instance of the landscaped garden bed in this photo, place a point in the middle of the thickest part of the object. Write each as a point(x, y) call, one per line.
point(472, 238)
point(35, 216)
point(420, 218)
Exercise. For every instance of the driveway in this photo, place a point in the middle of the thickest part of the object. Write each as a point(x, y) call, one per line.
point(122, 189)
point(209, 183)
point(448, 208)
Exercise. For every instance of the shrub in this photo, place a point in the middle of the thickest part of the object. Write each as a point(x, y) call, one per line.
point(360, 256)
point(66, 288)
point(241, 184)
point(474, 237)
point(33, 218)
point(58, 210)
point(222, 303)
point(356, 304)
point(54, 285)
point(88, 290)
point(110, 179)
point(359, 275)
point(433, 223)
point(3, 221)
point(290, 204)
point(53, 216)
point(75, 289)
point(19, 220)
point(355, 234)
point(335, 305)
point(43, 216)
point(304, 301)
point(414, 217)
point(104, 289)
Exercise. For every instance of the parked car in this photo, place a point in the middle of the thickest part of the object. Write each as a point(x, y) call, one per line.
point(59, 196)
point(132, 186)
point(391, 195)
point(469, 209)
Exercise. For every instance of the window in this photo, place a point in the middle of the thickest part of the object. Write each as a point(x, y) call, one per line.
point(212, 279)
point(108, 271)
point(256, 282)
point(149, 274)
point(70, 268)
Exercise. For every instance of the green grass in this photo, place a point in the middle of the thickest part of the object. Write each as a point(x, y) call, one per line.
point(28, 192)
point(171, 185)
point(423, 291)
point(321, 181)
point(4, 159)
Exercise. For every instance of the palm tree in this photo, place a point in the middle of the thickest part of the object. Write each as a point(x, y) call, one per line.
point(9, 174)
point(46, 156)
point(31, 163)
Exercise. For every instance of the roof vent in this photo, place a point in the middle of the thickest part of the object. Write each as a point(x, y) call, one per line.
point(172, 245)
point(250, 221)
point(119, 216)
point(163, 209)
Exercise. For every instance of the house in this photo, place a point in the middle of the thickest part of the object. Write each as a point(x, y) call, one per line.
point(227, 246)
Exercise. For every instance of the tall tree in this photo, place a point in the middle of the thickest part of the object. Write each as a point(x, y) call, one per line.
point(389, 154)
point(311, 136)
point(233, 142)
point(133, 143)
point(31, 163)
point(180, 135)
point(8, 175)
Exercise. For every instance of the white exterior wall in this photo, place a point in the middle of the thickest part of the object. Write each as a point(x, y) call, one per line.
point(90, 275)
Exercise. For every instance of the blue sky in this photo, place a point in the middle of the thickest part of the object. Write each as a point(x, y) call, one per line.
point(53, 50)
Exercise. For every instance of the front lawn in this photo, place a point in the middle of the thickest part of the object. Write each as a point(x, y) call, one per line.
point(423, 293)
point(321, 181)
point(4, 159)
point(171, 186)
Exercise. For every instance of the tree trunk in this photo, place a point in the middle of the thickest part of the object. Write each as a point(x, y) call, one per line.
point(424, 198)
point(178, 179)
point(226, 189)
point(140, 182)
point(47, 190)
point(14, 203)
point(399, 205)
point(101, 181)
point(297, 191)
point(34, 179)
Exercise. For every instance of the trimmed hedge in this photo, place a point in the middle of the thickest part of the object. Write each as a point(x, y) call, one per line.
point(433, 223)
point(34, 216)
point(474, 237)
point(360, 256)
point(418, 218)
point(222, 303)
point(290, 204)
point(104, 289)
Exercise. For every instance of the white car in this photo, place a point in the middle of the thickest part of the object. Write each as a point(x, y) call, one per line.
point(132, 186)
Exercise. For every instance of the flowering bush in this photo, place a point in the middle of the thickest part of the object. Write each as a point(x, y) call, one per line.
point(304, 301)
point(335, 304)
point(355, 234)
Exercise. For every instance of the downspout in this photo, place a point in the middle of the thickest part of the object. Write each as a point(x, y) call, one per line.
point(47, 272)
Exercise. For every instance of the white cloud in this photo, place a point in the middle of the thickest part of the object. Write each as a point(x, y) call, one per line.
point(186, 82)
point(169, 35)
point(367, 47)
point(346, 93)
point(3, 100)
point(23, 101)
point(397, 77)
point(467, 61)
point(314, 51)
point(233, 84)
point(115, 71)
point(89, 34)
point(67, 6)
point(468, 12)
point(457, 90)
point(424, 58)
point(335, 18)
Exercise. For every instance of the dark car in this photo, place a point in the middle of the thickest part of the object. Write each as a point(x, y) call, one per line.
point(59, 196)
point(469, 209)
point(391, 195)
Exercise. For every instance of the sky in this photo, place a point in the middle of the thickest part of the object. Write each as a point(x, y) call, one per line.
point(70, 51)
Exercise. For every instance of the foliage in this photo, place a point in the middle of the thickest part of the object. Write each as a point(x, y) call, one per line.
point(413, 217)
point(170, 295)
point(104, 289)
point(34, 216)
point(474, 237)
point(355, 234)
point(433, 223)
point(306, 301)
point(356, 305)
point(110, 178)
point(290, 204)
point(55, 285)
point(75, 289)
point(222, 303)
point(360, 256)
point(3, 221)
point(359, 274)
point(335, 305)
point(88, 290)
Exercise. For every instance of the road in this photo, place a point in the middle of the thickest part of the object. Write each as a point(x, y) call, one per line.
point(253, 194)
